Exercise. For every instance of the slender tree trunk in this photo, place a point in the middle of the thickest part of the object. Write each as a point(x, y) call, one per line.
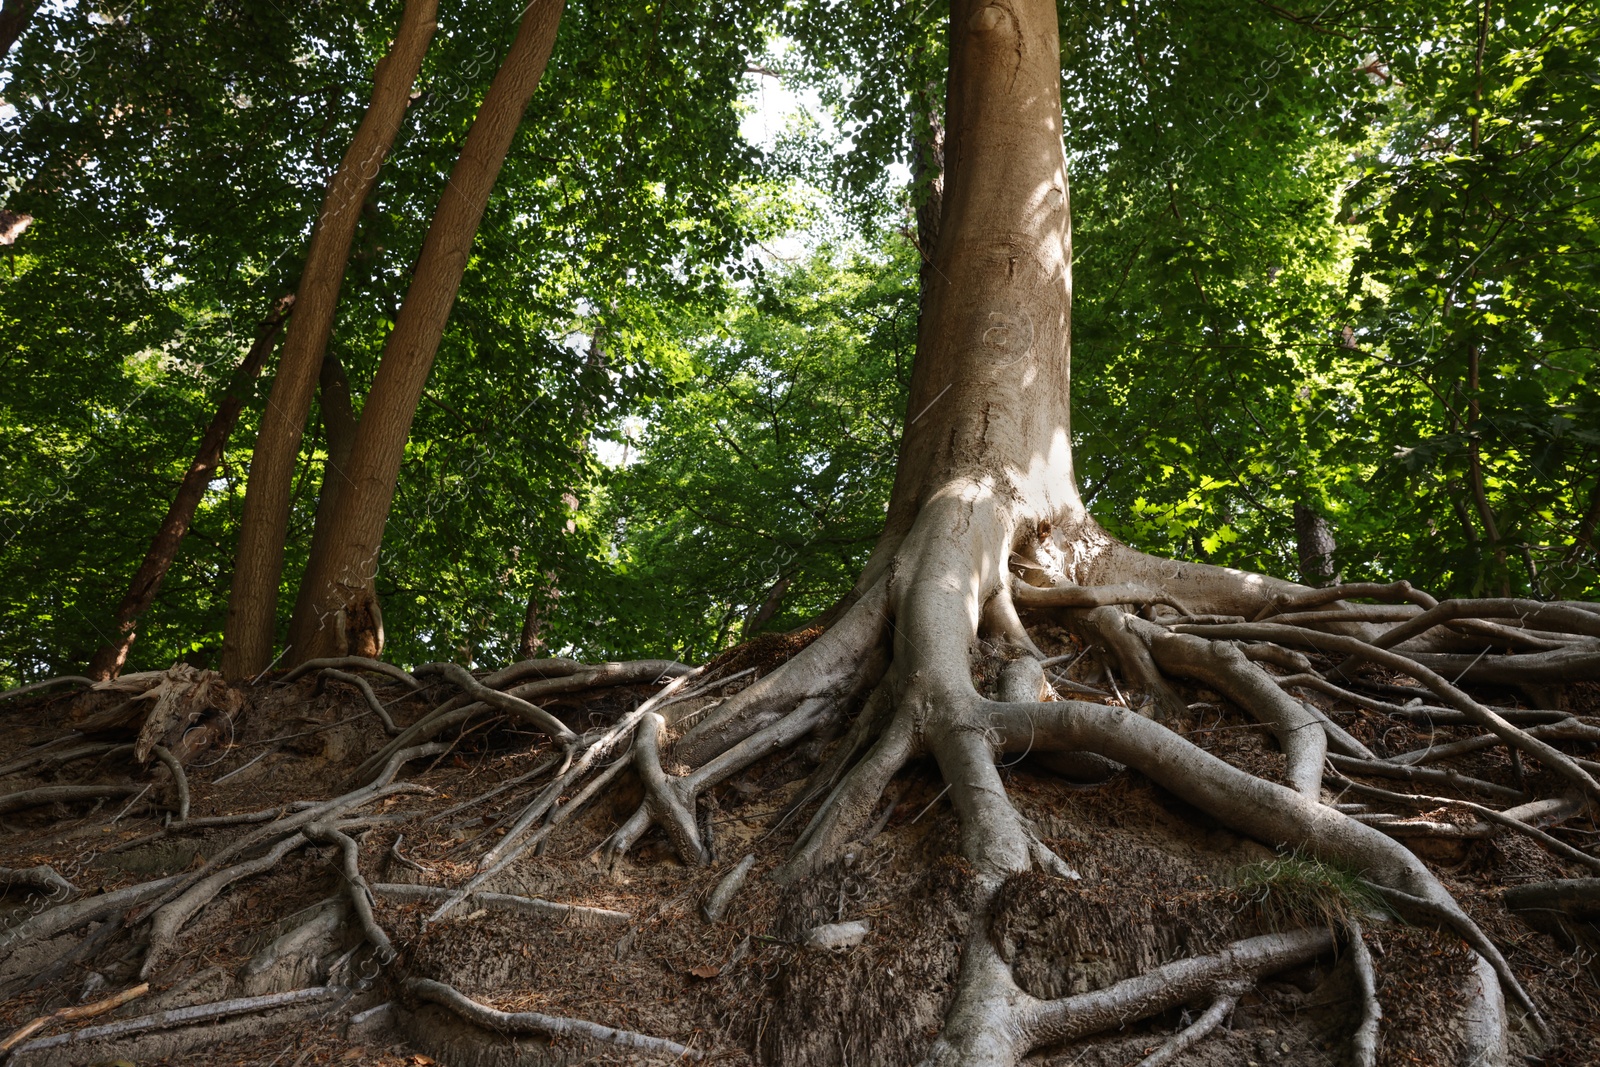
point(108, 660)
point(529, 642)
point(928, 171)
point(1315, 544)
point(339, 424)
point(14, 18)
point(768, 608)
point(335, 593)
point(1587, 525)
point(1480, 497)
point(253, 605)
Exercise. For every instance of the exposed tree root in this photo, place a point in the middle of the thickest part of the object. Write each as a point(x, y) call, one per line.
point(501, 901)
point(360, 892)
point(524, 1022)
point(1520, 820)
point(73, 1014)
point(491, 693)
point(351, 663)
point(191, 1016)
point(48, 683)
point(717, 904)
point(180, 780)
point(1364, 1042)
point(508, 702)
point(1425, 776)
point(923, 666)
point(1478, 713)
point(63, 794)
point(1196, 1031)
point(995, 1023)
point(365, 688)
point(41, 877)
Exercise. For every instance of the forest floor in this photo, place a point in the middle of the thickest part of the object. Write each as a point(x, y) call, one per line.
point(1159, 881)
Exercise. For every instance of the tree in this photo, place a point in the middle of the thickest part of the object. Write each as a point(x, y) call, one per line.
point(749, 495)
point(336, 611)
point(127, 306)
point(252, 608)
point(986, 522)
point(146, 583)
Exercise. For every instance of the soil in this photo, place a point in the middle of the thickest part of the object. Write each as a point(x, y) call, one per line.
point(1160, 882)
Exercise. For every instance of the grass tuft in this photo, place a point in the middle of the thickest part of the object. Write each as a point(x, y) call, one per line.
point(1294, 889)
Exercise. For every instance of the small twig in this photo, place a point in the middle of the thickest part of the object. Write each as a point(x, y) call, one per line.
point(1070, 659)
point(930, 804)
point(257, 679)
point(238, 770)
point(129, 806)
point(1060, 681)
point(526, 905)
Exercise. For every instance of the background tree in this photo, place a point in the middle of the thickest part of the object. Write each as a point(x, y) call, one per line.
point(749, 495)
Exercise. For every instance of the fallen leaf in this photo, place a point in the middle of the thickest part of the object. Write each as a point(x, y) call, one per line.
point(705, 970)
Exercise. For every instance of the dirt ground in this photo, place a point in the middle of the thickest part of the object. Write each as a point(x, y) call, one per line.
point(1160, 882)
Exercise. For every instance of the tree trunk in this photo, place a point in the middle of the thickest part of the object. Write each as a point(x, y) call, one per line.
point(109, 658)
point(1315, 544)
point(927, 149)
point(994, 330)
point(339, 423)
point(335, 593)
point(253, 604)
point(767, 609)
point(14, 18)
point(1584, 539)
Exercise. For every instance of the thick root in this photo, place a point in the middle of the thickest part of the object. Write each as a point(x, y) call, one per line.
point(1269, 813)
point(526, 1022)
